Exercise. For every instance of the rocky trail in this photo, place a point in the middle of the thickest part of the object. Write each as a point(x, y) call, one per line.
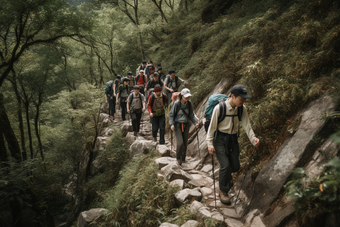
point(194, 179)
point(262, 201)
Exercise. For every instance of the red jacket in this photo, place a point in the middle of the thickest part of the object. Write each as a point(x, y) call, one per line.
point(150, 102)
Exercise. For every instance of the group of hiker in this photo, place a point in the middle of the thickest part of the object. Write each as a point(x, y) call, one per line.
point(154, 90)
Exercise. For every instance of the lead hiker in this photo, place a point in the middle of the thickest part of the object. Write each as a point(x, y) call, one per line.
point(171, 84)
point(156, 104)
point(135, 107)
point(141, 81)
point(109, 98)
point(132, 81)
point(222, 136)
point(181, 112)
point(123, 92)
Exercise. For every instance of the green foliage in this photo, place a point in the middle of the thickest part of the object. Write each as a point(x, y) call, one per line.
point(140, 198)
point(318, 196)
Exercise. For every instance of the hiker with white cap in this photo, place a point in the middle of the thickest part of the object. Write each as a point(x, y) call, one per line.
point(181, 112)
point(222, 136)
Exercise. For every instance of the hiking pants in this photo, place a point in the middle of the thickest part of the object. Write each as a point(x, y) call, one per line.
point(136, 122)
point(182, 140)
point(123, 109)
point(112, 105)
point(158, 123)
point(227, 153)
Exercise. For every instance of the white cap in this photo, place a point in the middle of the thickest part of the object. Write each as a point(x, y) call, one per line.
point(142, 71)
point(186, 93)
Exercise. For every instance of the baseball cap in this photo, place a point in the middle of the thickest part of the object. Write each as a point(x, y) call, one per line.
point(172, 71)
point(136, 87)
point(159, 64)
point(143, 62)
point(119, 76)
point(186, 93)
point(240, 90)
point(141, 71)
point(129, 73)
point(155, 74)
point(160, 68)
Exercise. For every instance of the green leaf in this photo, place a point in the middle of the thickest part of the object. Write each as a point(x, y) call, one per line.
point(295, 193)
point(299, 171)
point(311, 192)
point(328, 185)
point(335, 163)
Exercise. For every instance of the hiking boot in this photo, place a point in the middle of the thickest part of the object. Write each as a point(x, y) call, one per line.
point(135, 133)
point(179, 161)
point(155, 139)
point(224, 198)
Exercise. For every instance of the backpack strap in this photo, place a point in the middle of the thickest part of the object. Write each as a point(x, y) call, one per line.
point(169, 81)
point(152, 99)
point(164, 99)
point(223, 111)
point(140, 98)
point(240, 112)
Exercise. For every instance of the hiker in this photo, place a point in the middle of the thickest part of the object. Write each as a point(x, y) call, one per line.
point(153, 82)
point(135, 107)
point(110, 98)
point(149, 69)
point(141, 81)
point(171, 84)
point(156, 104)
point(141, 67)
point(222, 137)
point(132, 81)
point(181, 112)
point(159, 65)
point(123, 92)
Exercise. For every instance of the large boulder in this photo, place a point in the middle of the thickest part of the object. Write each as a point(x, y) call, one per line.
point(164, 161)
point(292, 153)
point(104, 120)
point(216, 215)
point(101, 143)
point(86, 217)
point(195, 206)
point(106, 132)
point(203, 212)
point(163, 150)
point(187, 195)
point(191, 223)
point(126, 127)
point(231, 222)
point(174, 171)
point(179, 182)
point(104, 108)
point(141, 147)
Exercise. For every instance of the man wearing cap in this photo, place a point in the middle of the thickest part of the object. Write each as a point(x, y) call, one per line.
point(224, 143)
point(171, 84)
point(132, 81)
point(154, 81)
point(181, 112)
point(156, 104)
point(135, 107)
point(123, 92)
point(142, 66)
point(141, 81)
point(158, 66)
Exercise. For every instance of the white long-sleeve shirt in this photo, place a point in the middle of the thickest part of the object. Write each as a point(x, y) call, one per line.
point(226, 125)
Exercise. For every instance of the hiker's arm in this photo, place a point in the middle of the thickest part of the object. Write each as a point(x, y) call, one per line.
point(143, 102)
point(247, 127)
point(213, 126)
point(148, 85)
point(172, 114)
point(166, 82)
point(150, 107)
point(192, 115)
point(114, 89)
point(128, 106)
point(106, 98)
point(118, 97)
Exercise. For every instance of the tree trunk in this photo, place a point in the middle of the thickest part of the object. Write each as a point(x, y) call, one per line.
point(3, 150)
point(5, 125)
point(21, 122)
point(141, 45)
point(26, 104)
point(36, 122)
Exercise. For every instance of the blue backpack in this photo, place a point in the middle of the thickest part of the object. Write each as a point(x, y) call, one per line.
point(109, 89)
point(219, 99)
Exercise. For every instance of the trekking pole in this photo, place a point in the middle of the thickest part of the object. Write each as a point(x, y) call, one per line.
point(198, 144)
point(251, 158)
point(213, 170)
point(171, 138)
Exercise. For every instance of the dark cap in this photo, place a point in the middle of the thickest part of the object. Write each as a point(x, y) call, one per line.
point(126, 79)
point(119, 76)
point(240, 90)
point(159, 64)
point(155, 74)
point(151, 62)
point(129, 73)
point(172, 71)
point(160, 68)
point(143, 62)
point(136, 87)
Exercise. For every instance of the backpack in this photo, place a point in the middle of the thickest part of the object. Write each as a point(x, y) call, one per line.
point(117, 87)
point(130, 99)
point(176, 80)
point(109, 88)
point(137, 79)
point(219, 99)
point(179, 107)
point(153, 99)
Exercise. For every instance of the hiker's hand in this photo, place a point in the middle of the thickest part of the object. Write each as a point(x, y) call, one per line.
point(114, 95)
point(106, 101)
point(197, 125)
point(172, 127)
point(143, 110)
point(117, 102)
point(211, 150)
point(144, 89)
point(171, 90)
point(151, 114)
point(257, 142)
point(128, 110)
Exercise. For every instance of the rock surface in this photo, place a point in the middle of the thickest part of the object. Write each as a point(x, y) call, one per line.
point(141, 147)
point(167, 224)
point(86, 217)
point(174, 171)
point(164, 161)
point(178, 182)
point(163, 150)
point(195, 206)
point(187, 195)
point(191, 223)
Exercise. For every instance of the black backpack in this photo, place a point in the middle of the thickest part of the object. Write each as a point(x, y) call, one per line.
point(176, 80)
point(223, 114)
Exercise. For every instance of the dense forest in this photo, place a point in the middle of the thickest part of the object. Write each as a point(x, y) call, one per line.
point(56, 57)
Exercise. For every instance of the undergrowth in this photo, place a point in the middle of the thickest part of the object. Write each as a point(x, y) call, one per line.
point(139, 198)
